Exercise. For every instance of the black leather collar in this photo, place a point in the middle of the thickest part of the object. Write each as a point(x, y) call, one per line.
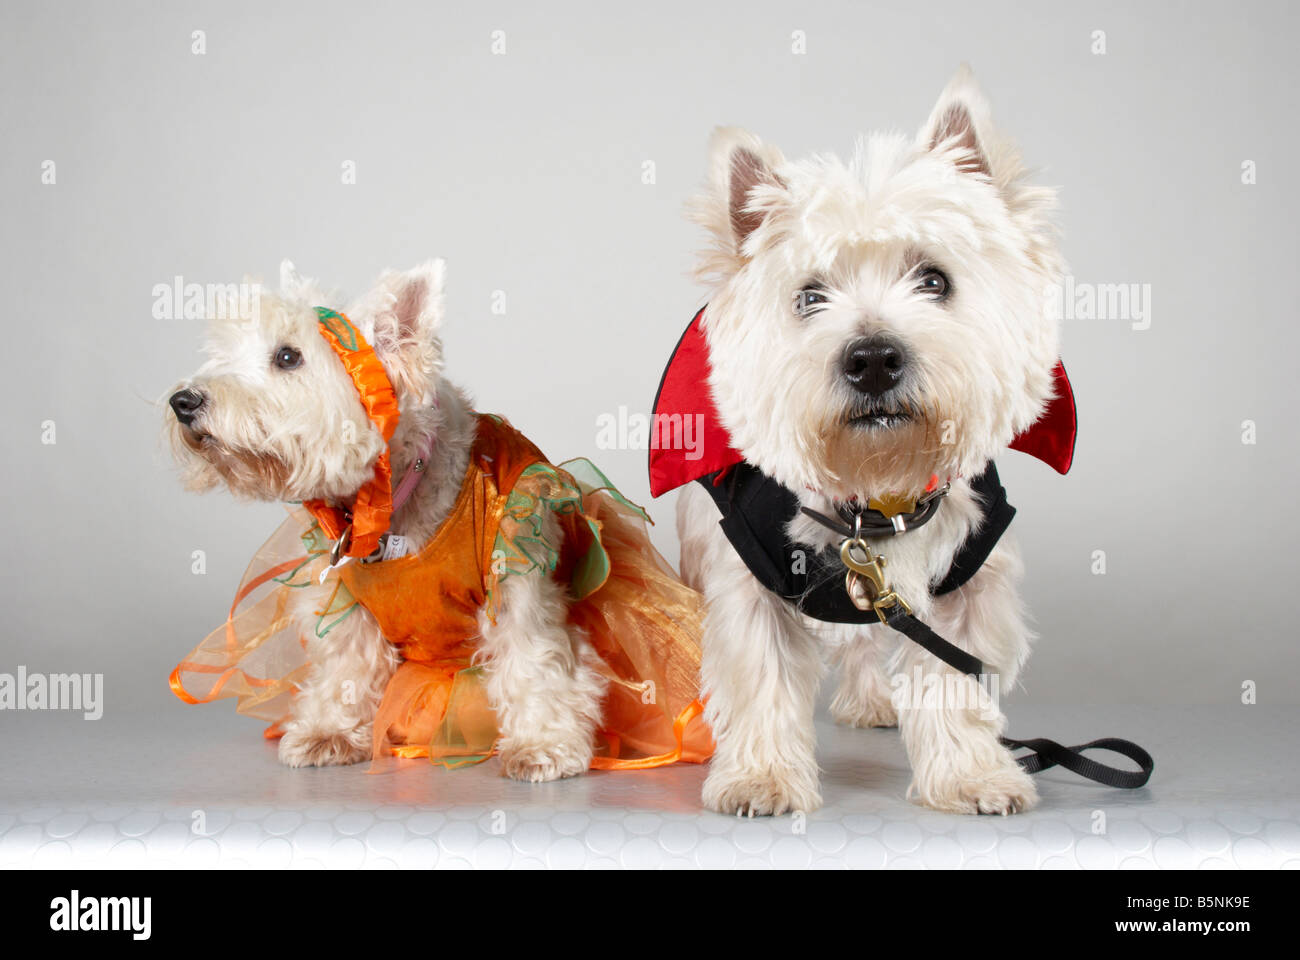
point(859, 521)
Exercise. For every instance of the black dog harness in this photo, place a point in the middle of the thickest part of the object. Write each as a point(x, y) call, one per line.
point(756, 510)
point(849, 586)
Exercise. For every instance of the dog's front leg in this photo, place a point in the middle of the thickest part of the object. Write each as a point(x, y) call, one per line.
point(864, 697)
point(950, 731)
point(541, 677)
point(333, 712)
point(761, 670)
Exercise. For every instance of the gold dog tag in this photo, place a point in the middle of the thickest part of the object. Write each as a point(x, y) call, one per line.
point(892, 504)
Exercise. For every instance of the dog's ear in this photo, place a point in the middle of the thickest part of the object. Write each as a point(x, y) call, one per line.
point(961, 125)
point(402, 315)
point(742, 184)
point(293, 286)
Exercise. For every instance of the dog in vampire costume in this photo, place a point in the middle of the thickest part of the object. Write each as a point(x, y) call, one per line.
point(442, 590)
point(877, 334)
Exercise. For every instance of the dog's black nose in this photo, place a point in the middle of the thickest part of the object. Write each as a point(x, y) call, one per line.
point(874, 365)
point(186, 403)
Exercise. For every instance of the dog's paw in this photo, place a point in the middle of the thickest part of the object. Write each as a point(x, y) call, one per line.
point(874, 713)
point(1000, 792)
point(539, 763)
point(304, 748)
point(761, 794)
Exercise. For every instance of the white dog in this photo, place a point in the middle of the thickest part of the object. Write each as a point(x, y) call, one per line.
point(874, 325)
point(275, 415)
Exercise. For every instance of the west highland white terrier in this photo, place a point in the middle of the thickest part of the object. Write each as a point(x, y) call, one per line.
point(877, 329)
point(467, 586)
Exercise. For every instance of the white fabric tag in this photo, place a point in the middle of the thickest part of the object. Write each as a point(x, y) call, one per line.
point(334, 566)
point(394, 546)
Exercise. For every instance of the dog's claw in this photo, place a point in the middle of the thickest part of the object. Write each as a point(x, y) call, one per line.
point(761, 795)
point(999, 793)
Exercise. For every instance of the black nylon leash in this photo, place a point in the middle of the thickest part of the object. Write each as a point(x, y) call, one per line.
point(1049, 753)
point(916, 631)
point(1045, 753)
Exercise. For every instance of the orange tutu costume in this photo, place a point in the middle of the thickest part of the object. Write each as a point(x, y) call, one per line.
point(641, 620)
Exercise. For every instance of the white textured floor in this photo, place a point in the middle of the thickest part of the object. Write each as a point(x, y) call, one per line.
point(199, 787)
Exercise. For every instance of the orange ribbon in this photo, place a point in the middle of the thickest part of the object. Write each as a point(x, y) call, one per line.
point(373, 506)
point(691, 711)
point(227, 673)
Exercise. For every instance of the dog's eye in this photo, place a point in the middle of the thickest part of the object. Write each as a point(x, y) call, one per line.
point(287, 358)
point(933, 282)
point(809, 300)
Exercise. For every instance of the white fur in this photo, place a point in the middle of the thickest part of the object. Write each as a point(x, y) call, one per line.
point(275, 434)
point(544, 679)
point(981, 372)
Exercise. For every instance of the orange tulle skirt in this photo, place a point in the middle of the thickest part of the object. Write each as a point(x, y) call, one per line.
point(641, 619)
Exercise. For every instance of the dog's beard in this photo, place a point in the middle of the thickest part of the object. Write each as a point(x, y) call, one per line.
point(208, 462)
point(884, 446)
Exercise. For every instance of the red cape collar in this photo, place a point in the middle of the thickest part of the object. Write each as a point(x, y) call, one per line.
point(684, 391)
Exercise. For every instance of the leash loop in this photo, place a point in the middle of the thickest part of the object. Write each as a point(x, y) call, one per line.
point(1048, 753)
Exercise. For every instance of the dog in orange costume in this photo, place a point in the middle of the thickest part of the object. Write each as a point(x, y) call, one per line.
point(442, 589)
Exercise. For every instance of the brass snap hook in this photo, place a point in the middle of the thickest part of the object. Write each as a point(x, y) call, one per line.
point(865, 580)
point(857, 556)
point(341, 545)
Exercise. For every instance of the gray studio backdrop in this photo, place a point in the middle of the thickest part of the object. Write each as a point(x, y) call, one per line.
point(527, 170)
